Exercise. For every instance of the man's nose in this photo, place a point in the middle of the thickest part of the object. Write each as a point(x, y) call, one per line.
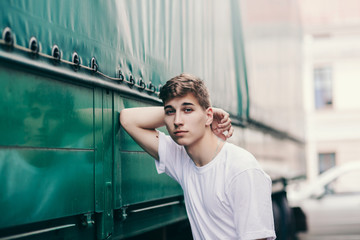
point(178, 119)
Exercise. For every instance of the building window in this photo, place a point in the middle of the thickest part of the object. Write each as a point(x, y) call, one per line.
point(326, 161)
point(323, 87)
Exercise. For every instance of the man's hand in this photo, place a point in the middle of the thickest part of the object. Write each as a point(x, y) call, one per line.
point(221, 125)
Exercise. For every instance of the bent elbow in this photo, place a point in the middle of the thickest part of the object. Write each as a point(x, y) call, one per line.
point(124, 118)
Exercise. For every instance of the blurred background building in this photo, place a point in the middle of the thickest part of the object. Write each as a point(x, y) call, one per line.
point(331, 77)
point(303, 69)
point(273, 51)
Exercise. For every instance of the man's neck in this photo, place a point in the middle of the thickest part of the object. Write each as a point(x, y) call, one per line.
point(204, 151)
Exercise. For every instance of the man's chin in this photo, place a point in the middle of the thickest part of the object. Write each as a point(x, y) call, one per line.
point(179, 141)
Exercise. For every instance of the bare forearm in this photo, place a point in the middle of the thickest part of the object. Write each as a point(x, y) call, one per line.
point(140, 124)
point(145, 117)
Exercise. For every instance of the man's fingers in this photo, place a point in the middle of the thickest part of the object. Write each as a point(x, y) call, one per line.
point(223, 127)
point(225, 117)
point(230, 132)
point(225, 124)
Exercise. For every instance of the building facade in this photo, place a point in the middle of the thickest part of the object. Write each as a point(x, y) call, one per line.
point(331, 83)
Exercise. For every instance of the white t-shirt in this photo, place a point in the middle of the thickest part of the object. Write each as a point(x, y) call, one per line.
point(229, 198)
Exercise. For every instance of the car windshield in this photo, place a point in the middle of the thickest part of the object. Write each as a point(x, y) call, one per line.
point(347, 183)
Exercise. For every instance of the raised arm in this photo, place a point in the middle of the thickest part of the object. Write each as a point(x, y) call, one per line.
point(140, 124)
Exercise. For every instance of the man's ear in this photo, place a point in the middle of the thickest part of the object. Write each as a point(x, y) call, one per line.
point(209, 116)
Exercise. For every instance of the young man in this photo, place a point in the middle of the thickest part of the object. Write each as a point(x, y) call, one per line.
point(227, 195)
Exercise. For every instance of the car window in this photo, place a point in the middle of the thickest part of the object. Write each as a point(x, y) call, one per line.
point(345, 183)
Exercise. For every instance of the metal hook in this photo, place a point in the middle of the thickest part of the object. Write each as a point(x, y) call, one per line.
point(151, 87)
point(121, 76)
point(55, 52)
point(93, 64)
point(33, 45)
point(141, 84)
point(131, 81)
point(7, 36)
point(76, 61)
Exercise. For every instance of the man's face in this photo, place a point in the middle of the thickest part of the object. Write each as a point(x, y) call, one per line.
point(185, 120)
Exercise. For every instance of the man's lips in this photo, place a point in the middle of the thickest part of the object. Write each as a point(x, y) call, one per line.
point(180, 132)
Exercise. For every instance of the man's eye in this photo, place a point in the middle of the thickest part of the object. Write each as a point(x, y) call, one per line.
point(169, 112)
point(188, 110)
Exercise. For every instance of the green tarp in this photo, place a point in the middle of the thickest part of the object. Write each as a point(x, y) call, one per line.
point(152, 40)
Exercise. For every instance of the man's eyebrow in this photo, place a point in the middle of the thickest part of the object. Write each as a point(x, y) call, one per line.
point(188, 104)
point(168, 106)
point(183, 104)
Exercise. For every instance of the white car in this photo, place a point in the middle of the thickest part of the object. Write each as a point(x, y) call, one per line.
point(331, 204)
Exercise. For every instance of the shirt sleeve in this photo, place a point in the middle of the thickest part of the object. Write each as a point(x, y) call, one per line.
point(170, 155)
point(249, 195)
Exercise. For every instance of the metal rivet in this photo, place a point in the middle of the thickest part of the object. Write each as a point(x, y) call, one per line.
point(7, 36)
point(55, 52)
point(33, 45)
